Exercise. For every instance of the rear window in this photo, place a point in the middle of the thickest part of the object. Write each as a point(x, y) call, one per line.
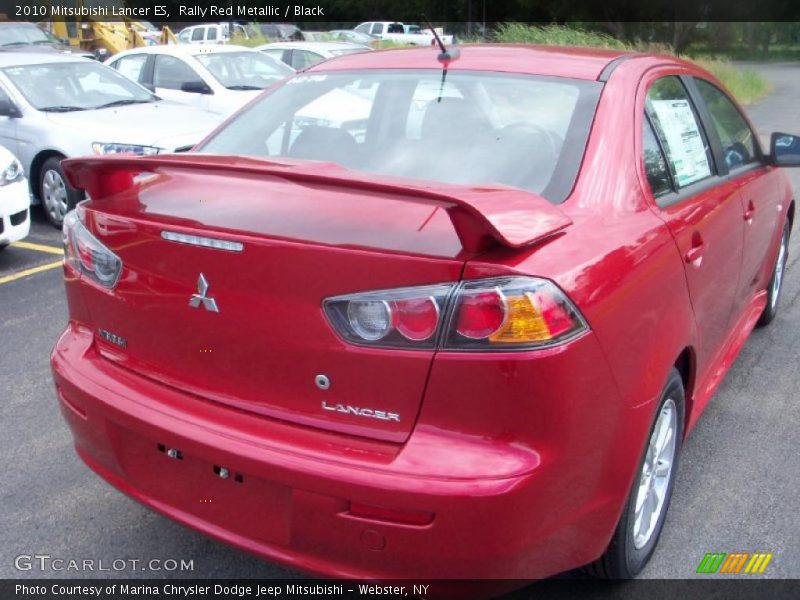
point(472, 128)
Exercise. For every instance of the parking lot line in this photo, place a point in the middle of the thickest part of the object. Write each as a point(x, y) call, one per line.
point(38, 247)
point(32, 271)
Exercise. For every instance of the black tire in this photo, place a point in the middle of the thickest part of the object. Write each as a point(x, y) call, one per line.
point(776, 281)
point(623, 559)
point(56, 196)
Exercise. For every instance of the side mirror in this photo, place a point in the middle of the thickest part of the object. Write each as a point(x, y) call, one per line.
point(8, 109)
point(196, 87)
point(784, 150)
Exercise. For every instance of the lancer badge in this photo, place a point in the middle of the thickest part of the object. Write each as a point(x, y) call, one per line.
point(201, 298)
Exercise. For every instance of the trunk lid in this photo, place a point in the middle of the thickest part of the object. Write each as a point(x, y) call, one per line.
point(301, 240)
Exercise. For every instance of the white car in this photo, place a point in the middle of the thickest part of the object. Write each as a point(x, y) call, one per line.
point(403, 34)
point(209, 33)
point(300, 55)
point(215, 78)
point(58, 106)
point(15, 222)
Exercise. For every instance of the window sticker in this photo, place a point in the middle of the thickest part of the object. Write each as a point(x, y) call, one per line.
point(683, 139)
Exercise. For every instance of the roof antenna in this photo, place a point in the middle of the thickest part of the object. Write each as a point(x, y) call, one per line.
point(445, 56)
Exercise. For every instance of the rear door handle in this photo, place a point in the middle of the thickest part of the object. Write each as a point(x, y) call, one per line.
point(696, 251)
point(751, 210)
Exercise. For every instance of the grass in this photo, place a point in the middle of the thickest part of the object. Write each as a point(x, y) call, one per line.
point(745, 84)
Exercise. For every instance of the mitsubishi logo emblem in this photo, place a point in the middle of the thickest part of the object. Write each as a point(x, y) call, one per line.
point(200, 297)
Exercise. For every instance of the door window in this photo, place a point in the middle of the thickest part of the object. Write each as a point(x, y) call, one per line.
point(678, 128)
point(303, 58)
point(198, 34)
point(212, 33)
point(735, 135)
point(655, 165)
point(363, 28)
point(171, 73)
point(377, 29)
point(131, 66)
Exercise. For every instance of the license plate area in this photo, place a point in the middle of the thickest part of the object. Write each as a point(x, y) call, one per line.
point(212, 490)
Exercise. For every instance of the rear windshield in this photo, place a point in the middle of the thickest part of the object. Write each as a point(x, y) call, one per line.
point(471, 128)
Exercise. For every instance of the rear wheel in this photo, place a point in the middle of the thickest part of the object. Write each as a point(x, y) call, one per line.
point(645, 511)
point(776, 283)
point(56, 196)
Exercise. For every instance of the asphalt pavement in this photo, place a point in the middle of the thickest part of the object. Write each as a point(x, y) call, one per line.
point(737, 488)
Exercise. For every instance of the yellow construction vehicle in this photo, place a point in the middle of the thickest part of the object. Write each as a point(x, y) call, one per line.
point(108, 37)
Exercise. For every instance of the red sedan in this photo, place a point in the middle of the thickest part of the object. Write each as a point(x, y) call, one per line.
point(421, 315)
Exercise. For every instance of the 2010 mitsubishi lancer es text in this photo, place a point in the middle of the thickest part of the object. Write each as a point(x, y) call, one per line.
point(422, 315)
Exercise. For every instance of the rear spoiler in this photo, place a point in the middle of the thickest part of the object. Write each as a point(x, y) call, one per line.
point(482, 216)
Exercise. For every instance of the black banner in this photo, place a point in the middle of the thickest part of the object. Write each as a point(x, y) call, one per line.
point(342, 12)
point(716, 587)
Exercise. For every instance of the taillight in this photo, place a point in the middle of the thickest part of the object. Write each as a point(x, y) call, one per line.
point(504, 313)
point(86, 255)
point(511, 313)
point(405, 317)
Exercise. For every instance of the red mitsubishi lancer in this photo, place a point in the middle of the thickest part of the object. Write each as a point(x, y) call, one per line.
point(421, 314)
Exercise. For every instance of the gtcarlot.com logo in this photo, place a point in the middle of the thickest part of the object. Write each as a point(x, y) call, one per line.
point(46, 562)
point(722, 563)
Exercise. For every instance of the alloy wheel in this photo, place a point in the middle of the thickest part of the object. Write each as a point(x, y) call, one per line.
point(656, 474)
point(780, 267)
point(54, 194)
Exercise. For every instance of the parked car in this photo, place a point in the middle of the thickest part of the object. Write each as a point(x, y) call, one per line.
point(401, 33)
point(466, 345)
point(54, 106)
point(210, 33)
point(216, 78)
point(27, 37)
point(284, 32)
point(355, 37)
point(300, 55)
point(15, 221)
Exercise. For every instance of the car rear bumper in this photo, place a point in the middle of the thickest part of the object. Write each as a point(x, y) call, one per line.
point(15, 221)
point(289, 489)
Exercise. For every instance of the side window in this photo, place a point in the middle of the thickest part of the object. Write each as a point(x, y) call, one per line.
point(655, 165)
point(377, 29)
point(363, 28)
point(303, 58)
point(170, 73)
point(212, 33)
point(131, 66)
point(678, 128)
point(185, 36)
point(198, 34)
point(736, 137)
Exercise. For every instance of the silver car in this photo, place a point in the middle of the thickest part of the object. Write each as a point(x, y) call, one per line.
point(52, 107)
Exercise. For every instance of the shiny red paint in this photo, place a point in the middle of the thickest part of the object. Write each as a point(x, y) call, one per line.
point(524, 459)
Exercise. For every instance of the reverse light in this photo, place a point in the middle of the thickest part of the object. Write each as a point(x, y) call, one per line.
point(114, 148)
point(507, 313)
point(86, 254)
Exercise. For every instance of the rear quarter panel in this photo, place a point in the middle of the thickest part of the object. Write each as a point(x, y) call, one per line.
point(621, 267)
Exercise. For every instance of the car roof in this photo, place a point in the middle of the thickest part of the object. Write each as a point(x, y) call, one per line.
point(186, 49)
point(18, 59)
point(557, 61)
point(318, 46)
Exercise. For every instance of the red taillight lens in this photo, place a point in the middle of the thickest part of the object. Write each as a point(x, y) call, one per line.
point(87, 255)
point(506, 313)
point(416, 318)
point(480, 314)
